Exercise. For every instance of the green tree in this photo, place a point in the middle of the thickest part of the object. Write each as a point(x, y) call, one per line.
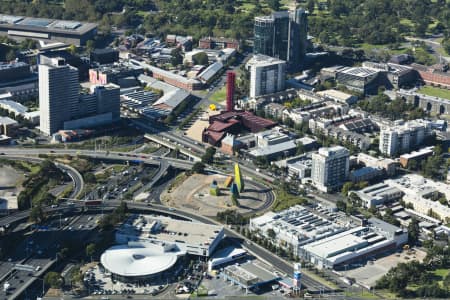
point(10, 55)
point(413, 232)
point(37, 214)
point(90, 250)
point(90, 45)
point(346, 188)
point(446, 45)
point(300, 148)
point(198, 167)
point(341, 205)
point(54, 280)
point(208, 157)
point(234, 200)
point(176, 57)
point(72, 49)
point(89, 177)
point(200, 58)
point(271, 234)
point(311, 4)
point(274, 4)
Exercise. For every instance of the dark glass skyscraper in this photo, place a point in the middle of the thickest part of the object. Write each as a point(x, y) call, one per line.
point(282, 35)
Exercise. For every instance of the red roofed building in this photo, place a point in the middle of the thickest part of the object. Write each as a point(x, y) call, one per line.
point(233, 122)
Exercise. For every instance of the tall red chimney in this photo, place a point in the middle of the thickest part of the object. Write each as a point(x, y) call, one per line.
point(231, 77)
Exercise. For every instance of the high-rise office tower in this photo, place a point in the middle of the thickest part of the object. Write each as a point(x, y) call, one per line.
point(231, 78)
point(58, 94)
point(330, 167)
point(282, 35)
point(63, 107)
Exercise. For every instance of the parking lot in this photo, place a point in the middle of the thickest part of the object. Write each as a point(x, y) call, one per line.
point(368, 275)
point(100, 283)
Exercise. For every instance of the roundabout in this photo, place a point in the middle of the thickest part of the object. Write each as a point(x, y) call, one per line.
point(253, 198)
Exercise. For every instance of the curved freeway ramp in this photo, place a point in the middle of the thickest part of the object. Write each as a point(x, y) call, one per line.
point(77, 178)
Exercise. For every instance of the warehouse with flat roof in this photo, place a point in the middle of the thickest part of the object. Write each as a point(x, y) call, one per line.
point(192, 237)
point(355, 244)
point(68, 32)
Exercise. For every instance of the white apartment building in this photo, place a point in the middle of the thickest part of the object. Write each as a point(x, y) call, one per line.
point(330, 167)
point(422, 193)
point(58, 94)
point(402, 138)
point(267, 75)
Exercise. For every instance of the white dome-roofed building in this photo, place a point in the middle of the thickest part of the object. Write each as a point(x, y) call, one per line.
point(140, 261)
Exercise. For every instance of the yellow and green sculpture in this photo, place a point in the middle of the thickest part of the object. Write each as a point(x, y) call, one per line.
point(214, 189)
point(238, 179)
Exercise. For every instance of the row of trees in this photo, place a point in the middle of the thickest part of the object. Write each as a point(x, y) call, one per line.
point(422, 276)
point(434, 167)
point(394, 110)
point(36, 186)
point(118, 215)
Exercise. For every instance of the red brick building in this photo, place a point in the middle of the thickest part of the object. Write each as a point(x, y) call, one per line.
point(433, 75)
point(218, 43)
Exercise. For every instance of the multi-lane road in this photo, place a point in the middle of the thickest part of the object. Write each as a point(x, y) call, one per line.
point(39, 250)
point(279, 263)
point(282, 265)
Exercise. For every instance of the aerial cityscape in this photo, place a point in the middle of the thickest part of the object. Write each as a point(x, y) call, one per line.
point(225, 149)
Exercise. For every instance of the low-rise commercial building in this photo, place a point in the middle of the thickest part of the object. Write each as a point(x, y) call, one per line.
point(338, 96)
point(296, 226)
point(218, 43)
point(177, 80)
point(393, 75)
point(225, 256)
point(8, 126)
point(68, 32)
point(248, 275)
point(423, 194)
point(355, 244)
point(300, 167)
point(140, 262)
point(193, 238)
point(363, 80)
point(104, 56)
point(416, 156)
point(389, 165)
point(210, 72)
point(150, 104)
point(113, 73)
point(14, 71)
point(365, 174)
point(378, 194)
point(320, 237)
